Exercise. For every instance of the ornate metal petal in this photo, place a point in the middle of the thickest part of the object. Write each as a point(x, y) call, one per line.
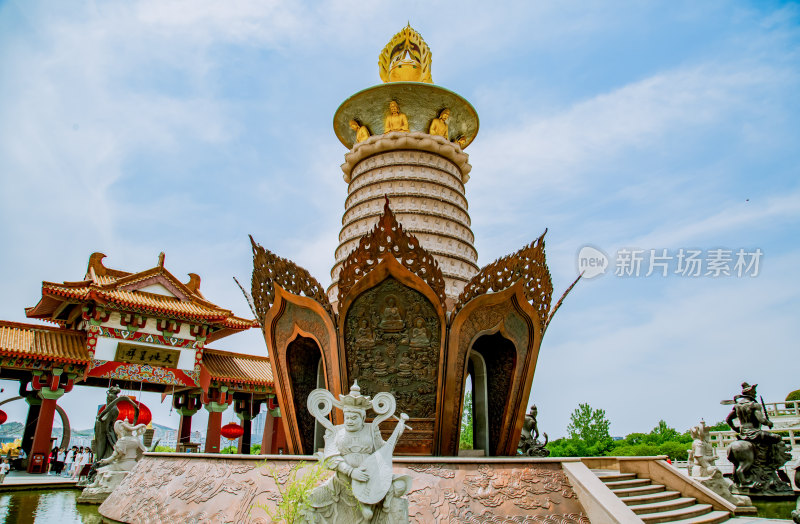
point(528, 264)
point(269, 269)
point(388, 238)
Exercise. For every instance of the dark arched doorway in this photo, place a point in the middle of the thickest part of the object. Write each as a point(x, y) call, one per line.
point(492, 361)
point(304, 360)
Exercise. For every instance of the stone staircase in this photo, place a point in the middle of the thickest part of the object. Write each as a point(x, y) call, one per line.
point(654, 503)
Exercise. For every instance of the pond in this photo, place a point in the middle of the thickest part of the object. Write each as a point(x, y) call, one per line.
point(46, 507)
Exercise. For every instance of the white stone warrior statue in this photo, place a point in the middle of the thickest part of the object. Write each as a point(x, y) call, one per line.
point(363, 488)
point(702, 452)
point(128, 450)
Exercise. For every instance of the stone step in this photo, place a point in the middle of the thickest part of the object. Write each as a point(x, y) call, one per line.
point(664, 505)
point(641, 490)
point(613, 477)
point(677, 514)
point(632, 483)
point(651, 497)
point(715, 517)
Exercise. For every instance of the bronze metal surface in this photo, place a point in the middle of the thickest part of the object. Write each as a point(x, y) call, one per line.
point(529, 265)
point(270, 269)
point(388, 239)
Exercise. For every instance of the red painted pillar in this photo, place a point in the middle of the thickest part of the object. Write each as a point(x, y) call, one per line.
point(50, 385)
point(41, 439)
point(184, 430)
point(212, 432)
point(279, 441)
point(269, 428)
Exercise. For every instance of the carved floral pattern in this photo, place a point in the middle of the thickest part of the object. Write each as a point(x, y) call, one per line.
point(528, 264)
point(388, 238)
point(270, 269)
point(198, 489)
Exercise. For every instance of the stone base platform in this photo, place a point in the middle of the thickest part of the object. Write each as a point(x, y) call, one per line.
point(178, 487)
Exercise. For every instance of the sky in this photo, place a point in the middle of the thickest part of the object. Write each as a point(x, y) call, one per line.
point(138, 127)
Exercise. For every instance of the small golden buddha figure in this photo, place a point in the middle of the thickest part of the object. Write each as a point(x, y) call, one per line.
point(396, 121)
point(362, 133)
point(439, 125)
point(461, 141)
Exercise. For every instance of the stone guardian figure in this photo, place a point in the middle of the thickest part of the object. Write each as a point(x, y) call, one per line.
point(758, 453)
point(363, 488)
point(128, 449)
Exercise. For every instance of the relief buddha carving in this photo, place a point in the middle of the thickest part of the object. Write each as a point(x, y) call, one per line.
point(402, 353)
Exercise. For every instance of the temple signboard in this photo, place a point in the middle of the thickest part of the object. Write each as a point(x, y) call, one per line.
point(154, 356)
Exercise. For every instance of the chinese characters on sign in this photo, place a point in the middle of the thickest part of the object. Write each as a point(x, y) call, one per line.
point(711, 263)
point(133, 354)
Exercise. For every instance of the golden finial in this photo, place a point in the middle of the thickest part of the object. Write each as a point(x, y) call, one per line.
point(406, 58)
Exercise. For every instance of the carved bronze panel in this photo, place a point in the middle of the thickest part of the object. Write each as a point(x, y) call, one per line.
point(392, 342)
point(270, 269)
point(529, 265)
point(388, 238)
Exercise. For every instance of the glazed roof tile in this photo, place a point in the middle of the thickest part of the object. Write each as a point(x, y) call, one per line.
point(236, 367)
point(42, 342)
point(121, 288)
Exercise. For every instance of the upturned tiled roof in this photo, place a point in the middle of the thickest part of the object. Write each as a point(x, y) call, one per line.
point(27, 340)
point(237, 367)
point(127, 291)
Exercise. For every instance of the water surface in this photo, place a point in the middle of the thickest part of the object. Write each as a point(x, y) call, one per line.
point(55, 506)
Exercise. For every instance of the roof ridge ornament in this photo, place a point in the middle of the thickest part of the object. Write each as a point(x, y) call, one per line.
point(406, 58)
point(388, 238)
point(270, 269)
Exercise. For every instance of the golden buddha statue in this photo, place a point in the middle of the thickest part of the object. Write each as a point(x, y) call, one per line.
point(439, 125)
point(362, 133)
point(395, 121)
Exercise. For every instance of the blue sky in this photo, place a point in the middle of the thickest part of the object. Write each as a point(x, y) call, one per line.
point(138, 127)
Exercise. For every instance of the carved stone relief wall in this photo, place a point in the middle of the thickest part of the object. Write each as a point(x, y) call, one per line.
point(202, 489)
point(392, 343)
point(303, 356)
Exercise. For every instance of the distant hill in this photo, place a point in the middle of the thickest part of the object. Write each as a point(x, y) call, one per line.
point(12, 429)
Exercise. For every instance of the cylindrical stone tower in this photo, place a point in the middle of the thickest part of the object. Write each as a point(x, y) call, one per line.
point(407, 138)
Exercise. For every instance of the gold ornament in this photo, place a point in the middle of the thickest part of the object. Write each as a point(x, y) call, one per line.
point(395, 120)
point(439, 125)
point(406, 58)
point(362, 133)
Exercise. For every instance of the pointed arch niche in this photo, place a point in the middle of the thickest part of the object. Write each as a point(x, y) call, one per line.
point(491, 366)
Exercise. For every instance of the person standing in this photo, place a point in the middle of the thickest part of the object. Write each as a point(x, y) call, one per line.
point(4, 467)
point(51, 459)
point(60, 458)
point(70, 458)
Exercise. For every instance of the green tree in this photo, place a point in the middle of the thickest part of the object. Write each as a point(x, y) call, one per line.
point(587, 434)
point(466, 440)
point(589, 425)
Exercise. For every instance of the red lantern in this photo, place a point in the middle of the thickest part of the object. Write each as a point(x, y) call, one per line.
point(126, 412)
point(3, 417)
point(232, 431)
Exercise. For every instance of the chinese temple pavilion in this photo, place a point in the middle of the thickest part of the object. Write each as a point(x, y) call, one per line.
point(145, 331)
point(409, 310)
